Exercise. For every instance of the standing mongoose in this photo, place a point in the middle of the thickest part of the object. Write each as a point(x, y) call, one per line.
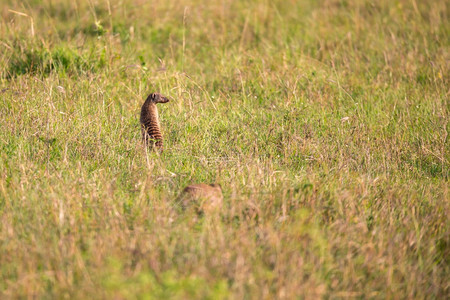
point(204, 197)
point(151, 129)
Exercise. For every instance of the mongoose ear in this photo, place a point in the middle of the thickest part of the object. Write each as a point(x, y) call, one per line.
point(149, 97)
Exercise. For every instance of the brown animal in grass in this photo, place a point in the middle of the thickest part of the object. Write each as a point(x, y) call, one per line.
point(151, 129)
point(203, 197)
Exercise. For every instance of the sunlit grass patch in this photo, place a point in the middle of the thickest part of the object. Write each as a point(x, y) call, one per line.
point(36, 60)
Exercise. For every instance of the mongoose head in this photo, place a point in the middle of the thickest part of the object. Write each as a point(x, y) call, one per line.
point(157, 98)
point(216, 186)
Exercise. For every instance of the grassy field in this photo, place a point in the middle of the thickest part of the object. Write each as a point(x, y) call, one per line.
point(325, 122)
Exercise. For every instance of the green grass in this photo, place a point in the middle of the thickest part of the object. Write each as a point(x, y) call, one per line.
point(325, 122)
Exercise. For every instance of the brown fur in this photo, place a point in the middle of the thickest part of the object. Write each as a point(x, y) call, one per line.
point(204, 197)
point(151, 128)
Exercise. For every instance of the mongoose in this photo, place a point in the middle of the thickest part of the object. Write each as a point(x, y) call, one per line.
point(204, 197)
point(151, 129)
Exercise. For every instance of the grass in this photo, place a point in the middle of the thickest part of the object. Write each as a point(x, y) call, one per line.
point(325, 122)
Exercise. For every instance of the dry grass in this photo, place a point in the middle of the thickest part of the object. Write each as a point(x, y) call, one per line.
point(325, 122)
